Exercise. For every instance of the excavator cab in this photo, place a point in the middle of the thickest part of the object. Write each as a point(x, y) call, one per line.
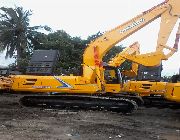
point(113, 79)
point(146, 73)
point(111, 76)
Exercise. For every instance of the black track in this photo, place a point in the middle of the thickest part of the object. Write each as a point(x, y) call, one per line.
point(80, 102)
point(160, 102)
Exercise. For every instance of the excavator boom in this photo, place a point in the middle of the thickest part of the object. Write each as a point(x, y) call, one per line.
point(169, 13)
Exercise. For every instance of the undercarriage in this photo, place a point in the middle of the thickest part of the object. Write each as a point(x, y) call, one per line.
point(83, 102)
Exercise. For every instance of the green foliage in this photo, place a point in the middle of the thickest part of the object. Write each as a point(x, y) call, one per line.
point(23, 63)
point(16, 36)
point(71, 49)
point(93, 37)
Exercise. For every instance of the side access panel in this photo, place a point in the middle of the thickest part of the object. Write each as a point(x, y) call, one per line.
point(173, 92)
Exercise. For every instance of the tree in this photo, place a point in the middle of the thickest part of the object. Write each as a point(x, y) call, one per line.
point(70, 48)
point(16, 36)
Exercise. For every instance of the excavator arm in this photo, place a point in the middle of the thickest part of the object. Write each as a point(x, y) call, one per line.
point(118, 60)
point(168, 11)
point(133, 51)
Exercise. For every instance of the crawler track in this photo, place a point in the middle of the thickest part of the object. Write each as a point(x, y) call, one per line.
point(80, 102)
point(160, 102)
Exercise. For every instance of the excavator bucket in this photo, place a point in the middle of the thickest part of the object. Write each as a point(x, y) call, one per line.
point(175, 11)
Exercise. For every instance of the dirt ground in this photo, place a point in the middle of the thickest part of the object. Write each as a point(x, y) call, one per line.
point(22, 123)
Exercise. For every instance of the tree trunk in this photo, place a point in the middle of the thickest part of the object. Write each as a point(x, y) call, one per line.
point(19, 56)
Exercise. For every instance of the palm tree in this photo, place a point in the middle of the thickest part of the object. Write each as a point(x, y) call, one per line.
point(16, 36)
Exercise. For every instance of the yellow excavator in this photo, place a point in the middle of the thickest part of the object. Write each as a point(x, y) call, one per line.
point(148, 88)
point(100, 86)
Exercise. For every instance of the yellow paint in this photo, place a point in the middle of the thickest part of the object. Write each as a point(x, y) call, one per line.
point(92, 81)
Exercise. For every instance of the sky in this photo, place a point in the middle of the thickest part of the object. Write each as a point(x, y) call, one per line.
point(86, 17)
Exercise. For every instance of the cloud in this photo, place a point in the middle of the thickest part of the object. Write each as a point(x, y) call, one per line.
point(3, 61)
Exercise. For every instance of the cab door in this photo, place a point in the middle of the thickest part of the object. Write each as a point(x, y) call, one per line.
point(113, 80)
